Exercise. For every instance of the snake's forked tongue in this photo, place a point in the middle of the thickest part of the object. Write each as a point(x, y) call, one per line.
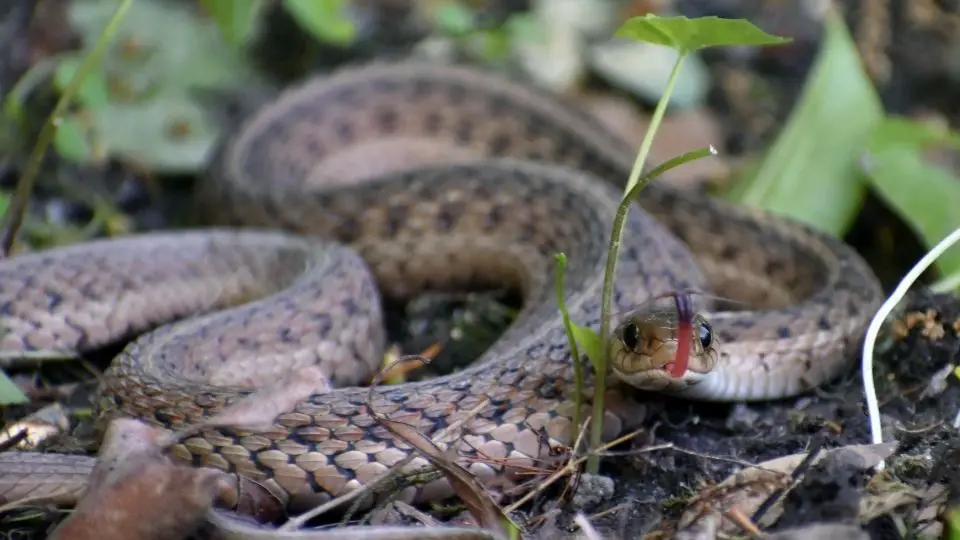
point(684, 306)
point(684, 334)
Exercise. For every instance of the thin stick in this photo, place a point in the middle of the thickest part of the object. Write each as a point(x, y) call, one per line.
point(294, 523)
point(741, 519)
point(570, 467)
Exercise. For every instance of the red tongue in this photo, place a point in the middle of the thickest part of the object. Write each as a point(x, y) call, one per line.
point(684, 335)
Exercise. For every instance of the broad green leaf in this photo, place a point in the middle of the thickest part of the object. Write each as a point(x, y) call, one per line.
point(162, 54)
point(236, 18)
point(71, 141)
point(589, 342)
point(93, 91)
point(925, 196)
point(897, 131)
point(10, 393)
point(689, 35)
point(324, 19)
point(811, 172)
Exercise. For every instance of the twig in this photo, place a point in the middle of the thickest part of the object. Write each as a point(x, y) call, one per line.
point(570, 467)
point(295, 523)
point(797, 472)
point(20, 503)
point(37, 356)
point(741, 519)
point(609, 511)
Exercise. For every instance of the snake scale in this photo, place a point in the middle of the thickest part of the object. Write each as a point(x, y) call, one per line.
point(397, 178)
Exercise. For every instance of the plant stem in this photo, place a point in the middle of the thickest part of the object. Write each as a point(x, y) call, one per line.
point(561, 259)
point(654, 125)
point(21, 197)
point(610, 271)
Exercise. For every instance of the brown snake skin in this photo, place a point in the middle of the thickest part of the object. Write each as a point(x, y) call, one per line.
point(338, 158)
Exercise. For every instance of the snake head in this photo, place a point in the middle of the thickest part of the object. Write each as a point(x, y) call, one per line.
point(643, 350)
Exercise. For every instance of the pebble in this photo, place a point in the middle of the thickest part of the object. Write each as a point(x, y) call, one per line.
point(593, 490)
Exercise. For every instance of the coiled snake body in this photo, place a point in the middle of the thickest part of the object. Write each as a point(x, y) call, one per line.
point(439, 177)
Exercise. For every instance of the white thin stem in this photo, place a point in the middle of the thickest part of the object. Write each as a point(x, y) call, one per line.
point(873, 331)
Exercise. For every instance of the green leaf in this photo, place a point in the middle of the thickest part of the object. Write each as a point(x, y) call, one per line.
point(71, 141)
point(811, 172)
point(925, 196)
point(324, 19)
point(953, 524)
point(525, 27)
point(455, 19)
point(161, 55)
point(10, 393)
point(93, 91)
point(589, 341)
point(671, 163)
point(689, 35)
point(236, 18)
point(900, 132)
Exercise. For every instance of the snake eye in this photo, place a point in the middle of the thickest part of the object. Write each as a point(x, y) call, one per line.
point(706, 335)
point(631, 336)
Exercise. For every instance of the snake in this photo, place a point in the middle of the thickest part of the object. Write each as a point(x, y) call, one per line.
point(390, 179)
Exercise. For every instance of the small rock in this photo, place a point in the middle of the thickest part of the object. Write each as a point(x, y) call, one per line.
point(592, 490)
point(742, 418)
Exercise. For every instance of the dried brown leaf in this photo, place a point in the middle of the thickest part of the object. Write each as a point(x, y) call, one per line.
point(473, 494)
point(136, 492)
point(255, 500)
point(30, 432)
point(747, 489)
